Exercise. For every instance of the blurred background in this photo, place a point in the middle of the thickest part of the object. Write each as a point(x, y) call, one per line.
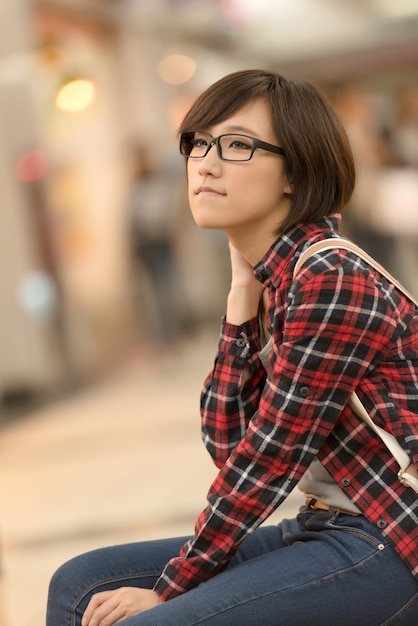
point(110, 296)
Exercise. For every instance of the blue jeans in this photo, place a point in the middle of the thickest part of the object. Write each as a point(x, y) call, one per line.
point(320, 568)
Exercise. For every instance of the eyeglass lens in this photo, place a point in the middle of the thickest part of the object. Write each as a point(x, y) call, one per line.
point(231, 147)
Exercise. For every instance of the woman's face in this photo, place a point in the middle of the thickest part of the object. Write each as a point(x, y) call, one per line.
point(242, 199)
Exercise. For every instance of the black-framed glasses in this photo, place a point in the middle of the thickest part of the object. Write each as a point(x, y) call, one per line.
point(195, 144)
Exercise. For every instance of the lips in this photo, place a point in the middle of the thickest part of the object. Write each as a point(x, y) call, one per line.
point(209, 191)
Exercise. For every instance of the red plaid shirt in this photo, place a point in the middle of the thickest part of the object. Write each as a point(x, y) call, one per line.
point(339, 326)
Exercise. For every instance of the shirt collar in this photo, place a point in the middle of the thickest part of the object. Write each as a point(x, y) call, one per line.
point(274, 263)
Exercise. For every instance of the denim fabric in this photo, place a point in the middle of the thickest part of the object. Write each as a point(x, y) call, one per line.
point(319, 568)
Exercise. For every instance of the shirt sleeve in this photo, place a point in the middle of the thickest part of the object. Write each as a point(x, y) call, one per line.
point(228, 402)
point(337, 324)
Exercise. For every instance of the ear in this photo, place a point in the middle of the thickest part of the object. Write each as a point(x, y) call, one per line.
point(288, 189)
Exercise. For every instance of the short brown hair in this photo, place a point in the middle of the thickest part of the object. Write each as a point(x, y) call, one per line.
point(319, 161)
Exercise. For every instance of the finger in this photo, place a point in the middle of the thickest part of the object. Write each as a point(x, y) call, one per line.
point(106, 614)
point(95, 602)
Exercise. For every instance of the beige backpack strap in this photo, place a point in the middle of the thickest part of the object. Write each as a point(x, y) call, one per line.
point(339, 242)
point(407, 473)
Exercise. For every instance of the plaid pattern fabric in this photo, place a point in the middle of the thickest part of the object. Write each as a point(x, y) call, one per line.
point(337, 327)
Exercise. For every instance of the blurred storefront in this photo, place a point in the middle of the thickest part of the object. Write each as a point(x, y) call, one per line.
point(85, 83)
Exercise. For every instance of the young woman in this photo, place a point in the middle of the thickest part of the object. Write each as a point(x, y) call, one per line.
point(269, 164)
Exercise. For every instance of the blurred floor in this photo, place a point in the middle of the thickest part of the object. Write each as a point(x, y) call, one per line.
point(119, 462)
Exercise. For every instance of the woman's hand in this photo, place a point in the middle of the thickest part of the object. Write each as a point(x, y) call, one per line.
point(110, 607)
point(242, 270)
point(246, 290)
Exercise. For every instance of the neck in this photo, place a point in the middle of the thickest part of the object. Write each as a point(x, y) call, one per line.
point(253, 246)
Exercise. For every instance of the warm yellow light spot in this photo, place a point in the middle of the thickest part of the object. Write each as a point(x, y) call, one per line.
point(75, 95)
point(176, 68)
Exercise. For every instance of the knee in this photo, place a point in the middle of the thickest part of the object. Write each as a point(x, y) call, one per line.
point(61, 580)
point(63, 584)
point(61, 594)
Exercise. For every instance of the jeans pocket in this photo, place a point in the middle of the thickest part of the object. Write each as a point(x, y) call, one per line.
point(359, 527)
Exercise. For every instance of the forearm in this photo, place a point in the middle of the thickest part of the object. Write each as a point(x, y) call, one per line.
point(243, 303)
point(227, 404)
point(246, 291)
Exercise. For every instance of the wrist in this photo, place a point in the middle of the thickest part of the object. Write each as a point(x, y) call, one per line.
point(243, 303)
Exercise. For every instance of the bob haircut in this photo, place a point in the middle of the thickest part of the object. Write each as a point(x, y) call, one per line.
point(318, 158)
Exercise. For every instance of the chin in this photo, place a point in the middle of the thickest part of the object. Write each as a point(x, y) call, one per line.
point(207, 224)
point(205, 220)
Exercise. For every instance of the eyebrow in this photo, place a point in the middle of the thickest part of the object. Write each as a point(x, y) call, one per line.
point(241, 129)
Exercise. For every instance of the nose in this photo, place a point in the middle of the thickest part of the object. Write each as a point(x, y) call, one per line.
point(211, 162)
point(214, 142)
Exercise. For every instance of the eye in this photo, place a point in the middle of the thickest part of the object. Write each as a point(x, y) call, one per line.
point(240, 143)
point(200, 141)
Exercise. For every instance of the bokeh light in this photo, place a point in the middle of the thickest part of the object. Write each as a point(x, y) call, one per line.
point(176, 69)
point(76, 95)
point(37, 294)
point(31, 166)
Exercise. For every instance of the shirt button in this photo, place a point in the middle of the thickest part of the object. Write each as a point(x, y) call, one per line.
point(382, 523)
point(346, 482)
point(240, 342)
point(304, 391)
point(259, 276)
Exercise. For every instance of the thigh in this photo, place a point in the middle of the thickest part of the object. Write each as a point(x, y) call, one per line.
point(333, 571)
point(130, 565)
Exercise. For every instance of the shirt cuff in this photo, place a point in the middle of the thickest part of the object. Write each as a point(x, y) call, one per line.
point(242, 340)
